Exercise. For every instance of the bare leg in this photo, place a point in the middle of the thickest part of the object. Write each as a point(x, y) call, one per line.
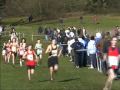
point(29, 76)
point(32, 71)
point(38, 61)
point(13, 59)
point(51, 73)
point(55, 68)
point(21, 62)
point(110, 79)
point(8, 57)
point(40, 56)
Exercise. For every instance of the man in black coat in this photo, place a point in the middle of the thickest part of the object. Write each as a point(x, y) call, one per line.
point(78, 55)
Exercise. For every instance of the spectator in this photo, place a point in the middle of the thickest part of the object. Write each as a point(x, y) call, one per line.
point(81, 19)
point(95, 19)
point(92, 53)
point(40, 30)
point(98, 37)
point(46, 34)
point(64, 47)
point(61, 21)
point(106, 44)
point(78, 55)
point(69, 43)
point(1, 29)
point(13, 34)
point(30, 18)
point(84, 32)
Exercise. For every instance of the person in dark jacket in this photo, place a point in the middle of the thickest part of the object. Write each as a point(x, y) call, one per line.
point(78, 55)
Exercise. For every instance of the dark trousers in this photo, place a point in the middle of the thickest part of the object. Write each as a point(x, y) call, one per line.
point(104, 67)
point(93, 60)
point(85, 59)
point(79, 59)
point(88, 61)
point(64, 51)
point(73, 55)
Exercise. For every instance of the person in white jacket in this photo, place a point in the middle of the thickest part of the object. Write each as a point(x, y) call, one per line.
point(1, 29)
point(69, 43)
point(91, 51)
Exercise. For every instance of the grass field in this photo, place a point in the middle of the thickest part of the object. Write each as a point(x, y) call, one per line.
point(68, 77)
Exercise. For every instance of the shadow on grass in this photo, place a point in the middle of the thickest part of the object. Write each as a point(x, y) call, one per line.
point(68, 80)
point(44, 80)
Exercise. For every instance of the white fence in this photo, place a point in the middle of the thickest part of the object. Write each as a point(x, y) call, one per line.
point(20, 35)
point(7, 34)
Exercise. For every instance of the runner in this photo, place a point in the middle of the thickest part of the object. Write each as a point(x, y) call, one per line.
point(14, 47)
point(8, 50)
point(38, 48)
point(4, 53)
point(112, 56)
point(31, 58)
point(13, 35)
point(23, 42)
point(54, 53)
point(21, 50)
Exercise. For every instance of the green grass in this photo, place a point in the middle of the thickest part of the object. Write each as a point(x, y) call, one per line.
point(106, 23)
point(68, 77)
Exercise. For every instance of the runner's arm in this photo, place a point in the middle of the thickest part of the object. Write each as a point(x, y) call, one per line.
point(119, 54)
point(35, 47)
point(105, 56)
point(24, 56)
point(35, 55)
point(48, 49)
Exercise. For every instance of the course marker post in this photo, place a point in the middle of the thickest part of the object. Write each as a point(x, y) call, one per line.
point(32, 37)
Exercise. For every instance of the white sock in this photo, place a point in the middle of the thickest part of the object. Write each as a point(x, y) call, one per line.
point(20, 63)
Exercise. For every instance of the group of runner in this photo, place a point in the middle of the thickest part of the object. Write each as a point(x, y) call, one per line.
point(14, 48)
point(32, 56)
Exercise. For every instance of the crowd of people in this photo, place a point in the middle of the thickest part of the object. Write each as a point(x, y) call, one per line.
point(93, 51)
point(15, 47)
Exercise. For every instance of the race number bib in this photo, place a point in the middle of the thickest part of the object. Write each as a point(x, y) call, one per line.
point(30, 57)
point(39, 51)
point(14, 49)
point(112, 60)
point(8, 49)
point(21, 52)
